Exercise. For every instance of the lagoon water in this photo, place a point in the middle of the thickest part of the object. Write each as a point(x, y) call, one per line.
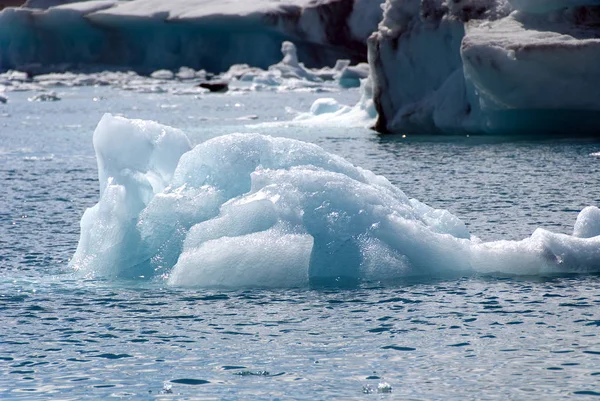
point(474, 337)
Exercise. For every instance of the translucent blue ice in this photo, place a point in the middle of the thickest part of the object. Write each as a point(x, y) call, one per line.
point(253, 210)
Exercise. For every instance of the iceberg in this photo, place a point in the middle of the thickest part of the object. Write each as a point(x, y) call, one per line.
point(148, 35)
point(251, 210)
point(487, 67)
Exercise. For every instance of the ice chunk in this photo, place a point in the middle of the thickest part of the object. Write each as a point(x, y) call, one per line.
point(44, 97)
point(350, 76)
point(325, 105)
point(327, 111)
point(162, 74)
point(267, 258)
point(588, 223)
point(136, 160)
point(251, 210)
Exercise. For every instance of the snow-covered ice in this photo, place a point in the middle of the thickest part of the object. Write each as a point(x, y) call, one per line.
point(252, 210)
point(147, 35)
point(487, 66)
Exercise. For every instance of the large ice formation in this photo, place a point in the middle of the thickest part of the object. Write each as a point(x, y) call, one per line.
point(147, 35)
point(487, 66)
point(252, 210)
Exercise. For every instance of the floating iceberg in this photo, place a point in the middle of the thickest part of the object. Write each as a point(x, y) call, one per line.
point(329, 112)
point(252, 210)
point(487, 66)
point(147, 35)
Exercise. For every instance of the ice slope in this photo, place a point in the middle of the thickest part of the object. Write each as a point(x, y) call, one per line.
point(251, 210)
point(493, 66)
point(147, 35)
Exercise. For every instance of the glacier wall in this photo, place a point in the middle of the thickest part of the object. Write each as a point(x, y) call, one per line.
point(487, 66)
point(146, 35)
point(250, 210)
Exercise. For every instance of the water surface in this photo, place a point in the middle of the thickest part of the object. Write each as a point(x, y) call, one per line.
point(454, 338)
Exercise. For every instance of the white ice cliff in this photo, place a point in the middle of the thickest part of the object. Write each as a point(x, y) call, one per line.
point(147, 35)
point(251, 210)
point(487, 66)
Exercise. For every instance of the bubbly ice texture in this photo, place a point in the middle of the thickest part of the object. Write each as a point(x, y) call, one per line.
point(487, 66)
point(251, 210)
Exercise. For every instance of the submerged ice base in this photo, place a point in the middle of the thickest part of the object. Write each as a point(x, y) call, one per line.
point(251, 210)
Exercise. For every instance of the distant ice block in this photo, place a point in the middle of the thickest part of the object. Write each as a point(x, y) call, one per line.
point(148, 35)
point(327, 111)
point(290, 74)
point(251, 210)
point(487, 66)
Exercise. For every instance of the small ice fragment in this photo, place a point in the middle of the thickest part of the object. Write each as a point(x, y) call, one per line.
point(248, 117)
point(167, 388)
point(384, 387)
point(162, 74)
point(186, 73)
point(44, 97)
point(251, 373)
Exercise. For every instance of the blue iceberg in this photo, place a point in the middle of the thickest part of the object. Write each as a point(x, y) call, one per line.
point(252, 210)
point(146, 35)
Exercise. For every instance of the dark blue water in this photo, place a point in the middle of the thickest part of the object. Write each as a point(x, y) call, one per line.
point(464, 338)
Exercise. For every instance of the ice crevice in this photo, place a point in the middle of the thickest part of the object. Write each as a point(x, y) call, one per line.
point(487, 66)
point(251, 210)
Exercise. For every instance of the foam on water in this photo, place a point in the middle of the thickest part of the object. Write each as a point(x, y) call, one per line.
point(252, 210)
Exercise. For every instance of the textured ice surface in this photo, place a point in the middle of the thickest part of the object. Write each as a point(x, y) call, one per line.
point(146, 35)
point(479, 66)
point(252, 210)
